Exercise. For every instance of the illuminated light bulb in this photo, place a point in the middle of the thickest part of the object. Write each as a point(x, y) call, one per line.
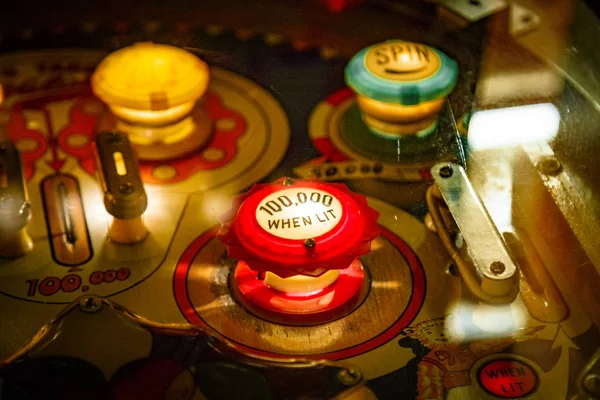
point(513, 126)
point(147, 135)
point(151, 77)
point(153, 117)
point(494, 319)
point(153, 93)
point(481, 320)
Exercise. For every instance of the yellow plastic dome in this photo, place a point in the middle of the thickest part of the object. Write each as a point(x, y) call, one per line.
point(149, 76)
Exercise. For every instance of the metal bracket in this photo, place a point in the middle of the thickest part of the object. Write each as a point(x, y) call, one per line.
point(522, 20)
point(588, 380)
point(473, 10)
point(496, 283)
point(15, 209)
point(124, 193)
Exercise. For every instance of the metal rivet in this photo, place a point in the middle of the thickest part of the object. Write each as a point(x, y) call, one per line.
point(126, 188)
point(310, 243)
point(349, 377)
point(115, 137)
point(446, 171)
point(497, 267)
point(453, 269)
point(549, 165)
point(90, 304)
point(288, 182)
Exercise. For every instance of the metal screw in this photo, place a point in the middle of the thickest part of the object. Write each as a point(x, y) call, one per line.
point(115, 137)
point(288, 182)
point(592, 383)
point(497, 267)
point(349, 377)
point(126, 188)
point(90, 304)
point(310, 243)
point(549, 165)
point(446, 171)
point(25, 208)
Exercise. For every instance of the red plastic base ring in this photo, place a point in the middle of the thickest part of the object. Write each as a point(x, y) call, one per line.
point(339, 295)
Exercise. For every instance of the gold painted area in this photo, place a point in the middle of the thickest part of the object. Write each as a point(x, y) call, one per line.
point(402, 61)
point(390, 293)
point(77, 140)
point(362, 393)
point(164, 172)
point(26, 145)
point(15, 244)
point(214, 154)
point(225, 124)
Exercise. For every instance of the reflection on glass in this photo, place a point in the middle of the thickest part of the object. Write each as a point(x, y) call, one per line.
point(512, 126)
point(472, 321)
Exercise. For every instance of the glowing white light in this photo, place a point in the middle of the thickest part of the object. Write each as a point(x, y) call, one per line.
point(153, 117)
point(476, 321)
point(494, 319)
point(507, 127)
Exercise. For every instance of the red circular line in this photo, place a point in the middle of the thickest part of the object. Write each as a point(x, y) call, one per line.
point(409, 314)
point(338, 97)
point(181, 271)
point(336, 295)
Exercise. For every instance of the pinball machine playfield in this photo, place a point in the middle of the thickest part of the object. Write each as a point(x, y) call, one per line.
point(300, 200)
